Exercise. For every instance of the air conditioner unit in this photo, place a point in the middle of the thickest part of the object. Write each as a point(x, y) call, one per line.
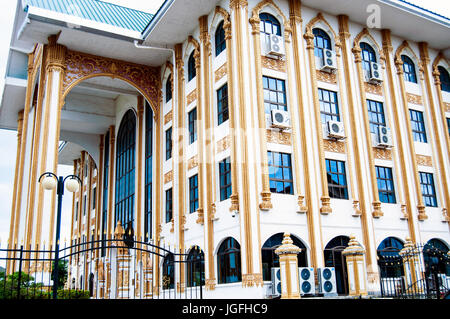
point(276, 281)
point(306, 280)
point(280, 119)
point(329, 61)
point(384, 137)
point(375, 73)
point(335, 129)
point(275, 46)
point(327, 281)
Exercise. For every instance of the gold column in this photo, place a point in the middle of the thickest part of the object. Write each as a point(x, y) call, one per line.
point(387, 48)
point(354, 259)
point(296, 27)
point(433, 111)
point(158, 117)
point(180, 156)
point(208, 143)
point(287, 253)
point(266, 203)
point(15, 190)
point(111, 179)
point(352, 107)
point(325, 198)
point(376, 204)
point(99, 201)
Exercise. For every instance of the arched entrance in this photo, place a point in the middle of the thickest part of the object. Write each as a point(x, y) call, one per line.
point(333, 258)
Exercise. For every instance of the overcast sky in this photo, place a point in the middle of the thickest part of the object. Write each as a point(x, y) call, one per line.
point(8, 139)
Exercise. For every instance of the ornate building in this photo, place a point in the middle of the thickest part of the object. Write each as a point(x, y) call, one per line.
point(223, 124)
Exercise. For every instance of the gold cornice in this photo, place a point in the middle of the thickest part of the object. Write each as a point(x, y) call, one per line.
point(226, 21)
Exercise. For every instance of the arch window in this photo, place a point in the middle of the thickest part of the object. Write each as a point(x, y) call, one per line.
point(444, 78)
point(409, 70)
point(169, 88)
point(389, 259)
point(219, 39)
point(436, 258)
point(195, 267)
point(270, 259)
point(268, 26)
point(192, 72)
point(229, 261)
point(148, 171)
point(168, 272)
point(125, 171)
point(321, 41)
point(368, 56)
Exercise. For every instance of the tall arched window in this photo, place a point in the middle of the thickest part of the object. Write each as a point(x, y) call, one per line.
point(444, 78)
point(192, 72)
point(368, 55)
point(270, 259)
point(409, 70)
point(268, 25)
point(125, 170)
point(148, 171)
point(321, 41)
point(195, 267)
point(436, 258)
point(229, 261)
point(169, 88)
point(105, 194)
point(219, 39)
point(389, 259)
point(168, 273)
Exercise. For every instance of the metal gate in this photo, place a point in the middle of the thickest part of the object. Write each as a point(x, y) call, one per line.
point(101, 269)
point(418, 272)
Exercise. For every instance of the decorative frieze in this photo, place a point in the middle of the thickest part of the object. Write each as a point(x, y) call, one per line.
point(220, 72)
point(191, 97)
point(326, 77)
point(168, 117)
point(168, 177)
point(447, 106)
point(279, 137)
point(223, 144)
point(334, 146)
point(193, 162)
point(382, 153)
point(414, 99)
point(373, 88)
point(424, 160)
point(273, 64)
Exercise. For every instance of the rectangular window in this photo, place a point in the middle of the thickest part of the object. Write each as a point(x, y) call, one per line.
point(225, 179)
point(94, 197)
point(169, 205)
point(376, 115)
point(193, 193)
point(418, 126)
point(280, 173)
point(274, 94)
point(168, 143)
point(84, 204)
point(428, 190)
point(385, 182)
point(329, 108)
point(448, 125)
point(192, 116)
point(337, 181)
point(222, 104)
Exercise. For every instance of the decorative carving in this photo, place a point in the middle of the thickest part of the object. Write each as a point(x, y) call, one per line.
point(193, 162)
point(334, 146)
point(326, 77)
point(326, 207)
point(309, 37)
point(414, 99)
point(382, 153)
point(168, 177)
point(220, 72)
point(250, 280)
point(424, 160)
point(223, 144)
point(226, 21)
point(191, 97)
point(447, 106)
point(357, 50)
point(279, 137)
point(377, 213)
point(273, 64)
point(373, 88)
point(81, 66)
point(168, 117)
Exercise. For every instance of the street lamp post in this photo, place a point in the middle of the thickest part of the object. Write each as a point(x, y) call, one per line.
point(49, 182)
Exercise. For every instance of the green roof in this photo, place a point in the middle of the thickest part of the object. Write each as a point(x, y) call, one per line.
point(97, 11)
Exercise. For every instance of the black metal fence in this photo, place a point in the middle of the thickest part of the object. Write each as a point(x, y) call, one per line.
point(418, 272)
point(101, 269)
